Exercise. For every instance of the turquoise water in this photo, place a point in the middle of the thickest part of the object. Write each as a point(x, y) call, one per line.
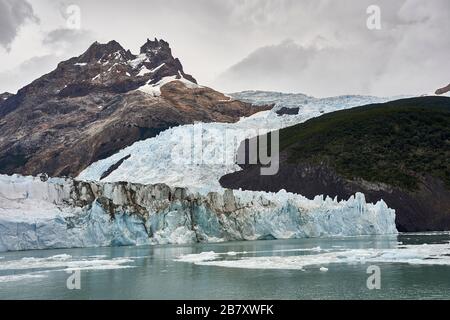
point(154, 272)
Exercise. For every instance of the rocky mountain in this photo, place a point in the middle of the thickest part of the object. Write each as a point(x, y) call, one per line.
point(443, 90)
point(4, 96)
point(396, 151)
point(93, 105)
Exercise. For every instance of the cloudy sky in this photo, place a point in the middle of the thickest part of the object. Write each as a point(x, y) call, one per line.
point(318, 47)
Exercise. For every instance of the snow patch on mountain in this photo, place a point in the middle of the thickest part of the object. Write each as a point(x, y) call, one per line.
point(138, 60)
point(155, 89)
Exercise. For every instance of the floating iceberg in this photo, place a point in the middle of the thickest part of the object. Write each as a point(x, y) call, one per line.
point(433, 254)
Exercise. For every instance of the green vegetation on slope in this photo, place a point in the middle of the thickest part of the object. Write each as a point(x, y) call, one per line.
point(392, 143)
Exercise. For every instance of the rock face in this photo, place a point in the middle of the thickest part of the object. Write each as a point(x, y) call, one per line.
point(93, 105)
point(288, 111)
point(3, 97)
point(42, 213)
point(443, 90)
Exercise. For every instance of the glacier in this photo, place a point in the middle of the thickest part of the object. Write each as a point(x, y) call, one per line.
point(42, 213)
point(171, 157)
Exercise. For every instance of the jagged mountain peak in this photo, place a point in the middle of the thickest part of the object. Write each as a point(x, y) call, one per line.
point(99, 51)
point(109, 67)
point(155, 46)
point(152, 54)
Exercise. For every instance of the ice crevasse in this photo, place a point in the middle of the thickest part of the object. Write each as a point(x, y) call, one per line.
point(42, 213)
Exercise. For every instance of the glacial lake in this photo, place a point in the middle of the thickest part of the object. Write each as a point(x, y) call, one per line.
point(407, 266)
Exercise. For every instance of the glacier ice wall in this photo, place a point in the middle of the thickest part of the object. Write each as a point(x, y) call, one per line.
point(41, 213)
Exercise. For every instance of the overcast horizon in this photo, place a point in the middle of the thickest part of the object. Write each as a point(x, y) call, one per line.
point(316, 47)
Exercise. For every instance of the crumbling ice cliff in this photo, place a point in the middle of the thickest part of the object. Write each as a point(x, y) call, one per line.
point(41, 213)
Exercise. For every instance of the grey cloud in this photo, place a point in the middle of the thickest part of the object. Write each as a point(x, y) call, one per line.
point(13, 14)
point(63, 35)
point(408, 56)
point(272, 67)
point(26, 72)
point(289, 67)
point(69, 40)
point(331, 51)
point(63, 44)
